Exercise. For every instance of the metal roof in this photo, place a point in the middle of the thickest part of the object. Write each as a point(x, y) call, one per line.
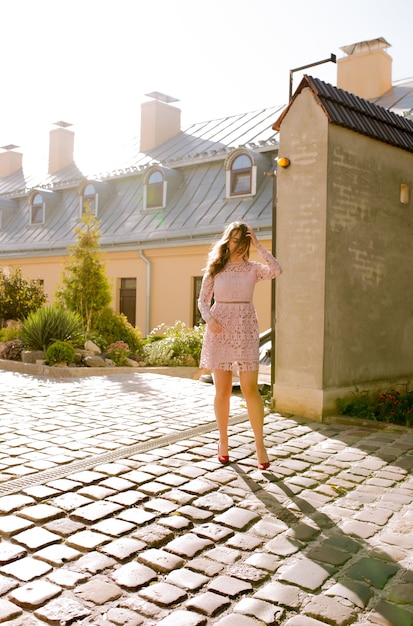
point(362, 116)
point(202, 141)
point(196, 208)
point(399, 98)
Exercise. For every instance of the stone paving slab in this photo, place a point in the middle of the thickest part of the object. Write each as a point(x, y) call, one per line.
point(136, 522)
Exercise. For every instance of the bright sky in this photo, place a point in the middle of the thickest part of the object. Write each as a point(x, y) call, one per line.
point(91, 62)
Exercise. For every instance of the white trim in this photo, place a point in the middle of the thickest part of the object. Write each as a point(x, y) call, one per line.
point(152, 209)
point(229, 195)
point(96, 199)
point(31, 207)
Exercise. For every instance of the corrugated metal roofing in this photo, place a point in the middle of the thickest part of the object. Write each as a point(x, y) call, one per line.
point(204, 140)
point(362, 116)
point(196, 209)
point(399, 98)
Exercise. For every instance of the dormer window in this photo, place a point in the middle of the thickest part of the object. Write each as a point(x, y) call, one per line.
point(240, 176)
point(155, 191)
point(89, 200)
point(37, 209)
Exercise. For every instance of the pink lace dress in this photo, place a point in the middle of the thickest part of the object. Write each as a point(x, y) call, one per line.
point(233, 289)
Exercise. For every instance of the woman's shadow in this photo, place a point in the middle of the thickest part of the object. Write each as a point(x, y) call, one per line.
point(322, 535)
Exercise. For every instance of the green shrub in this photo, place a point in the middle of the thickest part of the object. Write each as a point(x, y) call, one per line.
point(60, 352)
point(18, 296)
point(11, 350)
point(50, 324)
point(9, 333)
point(178, 345)
point(118, 352)
point(392, 405)
point(110, 327)
point(358, 404)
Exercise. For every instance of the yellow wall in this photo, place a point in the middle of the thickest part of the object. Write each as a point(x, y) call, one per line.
point(171, 291)
point(46, 268)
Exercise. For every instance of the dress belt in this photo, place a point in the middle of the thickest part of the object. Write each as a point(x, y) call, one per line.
point(233, 301)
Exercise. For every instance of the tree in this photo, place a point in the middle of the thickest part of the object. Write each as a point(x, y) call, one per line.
point(18, 296)
point(86, 287)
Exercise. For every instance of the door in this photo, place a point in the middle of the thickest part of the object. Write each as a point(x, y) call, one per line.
point(127, 304)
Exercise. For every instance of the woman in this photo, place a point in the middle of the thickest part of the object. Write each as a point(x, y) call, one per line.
point(231, 335)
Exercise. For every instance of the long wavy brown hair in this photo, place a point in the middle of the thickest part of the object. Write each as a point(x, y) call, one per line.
point(219, 255)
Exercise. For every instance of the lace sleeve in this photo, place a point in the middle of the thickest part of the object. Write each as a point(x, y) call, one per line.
point(271, 269)
point(205, 297)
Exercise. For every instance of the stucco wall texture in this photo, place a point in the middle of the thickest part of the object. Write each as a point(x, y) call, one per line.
point(345, 302)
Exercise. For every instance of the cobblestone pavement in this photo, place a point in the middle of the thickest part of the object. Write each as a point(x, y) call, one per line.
point(115, 511)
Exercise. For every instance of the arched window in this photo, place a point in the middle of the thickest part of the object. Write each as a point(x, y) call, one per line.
point(89, 199)
point(155, 191)
point(37, 209)
point(241, 175)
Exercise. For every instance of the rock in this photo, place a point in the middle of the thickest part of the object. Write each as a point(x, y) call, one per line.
point(94, 361)
point(190, 361)
point(92, 347)
point(31, 356)
point(13, 324)
point(79, 354)
point(131, 363)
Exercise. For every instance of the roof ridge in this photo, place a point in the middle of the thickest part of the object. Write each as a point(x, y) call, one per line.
point(357, 114)
point(361, 105)
point(234, 115)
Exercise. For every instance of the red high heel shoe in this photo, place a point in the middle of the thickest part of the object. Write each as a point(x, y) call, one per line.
point(263, 466)
point(223, 458)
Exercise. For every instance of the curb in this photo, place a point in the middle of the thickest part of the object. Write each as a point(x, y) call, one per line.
point(75, 372)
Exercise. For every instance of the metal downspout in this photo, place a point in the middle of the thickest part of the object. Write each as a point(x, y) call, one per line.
point(148, 291)
point(273, 286)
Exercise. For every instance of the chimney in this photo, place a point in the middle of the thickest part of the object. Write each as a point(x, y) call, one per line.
point(61, 147)
point(159, 121)
point(10, 162)
point(366, 71)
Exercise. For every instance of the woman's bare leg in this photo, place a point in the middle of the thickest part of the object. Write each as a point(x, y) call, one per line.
point(255, 406)
point(223, 389)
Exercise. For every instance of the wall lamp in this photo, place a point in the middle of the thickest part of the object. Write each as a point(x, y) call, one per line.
point(283, 162)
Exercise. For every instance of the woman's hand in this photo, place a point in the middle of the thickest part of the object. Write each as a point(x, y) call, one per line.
point(252, 236)
point(214, 325)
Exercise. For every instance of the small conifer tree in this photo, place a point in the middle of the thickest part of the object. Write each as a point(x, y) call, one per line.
point(86, 287)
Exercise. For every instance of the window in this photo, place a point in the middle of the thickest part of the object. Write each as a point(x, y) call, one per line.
point(89, 200)
point(155, 191)
point(37, 209)
point(241, 175)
